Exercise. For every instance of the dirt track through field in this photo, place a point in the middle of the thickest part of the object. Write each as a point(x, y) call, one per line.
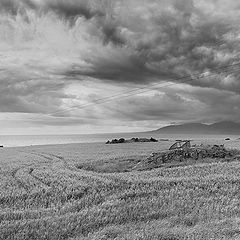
point(25, 177)
point(43, 191)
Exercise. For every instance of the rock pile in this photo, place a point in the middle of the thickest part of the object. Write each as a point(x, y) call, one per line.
point(159, 159)
point(122, 140)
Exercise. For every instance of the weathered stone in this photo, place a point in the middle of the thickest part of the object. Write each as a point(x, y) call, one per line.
point(159, 159)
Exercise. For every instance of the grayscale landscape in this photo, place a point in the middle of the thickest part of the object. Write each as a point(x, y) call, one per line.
point(119, 120)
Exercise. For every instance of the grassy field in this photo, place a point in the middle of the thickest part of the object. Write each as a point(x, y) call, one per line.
point(46, 194)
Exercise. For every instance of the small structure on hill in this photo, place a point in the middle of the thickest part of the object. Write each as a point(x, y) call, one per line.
point(181, 144)
point(182, 151)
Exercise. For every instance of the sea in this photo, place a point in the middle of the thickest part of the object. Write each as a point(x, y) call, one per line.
point(32, 140)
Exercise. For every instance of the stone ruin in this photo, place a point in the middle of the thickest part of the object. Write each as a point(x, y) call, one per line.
point(183, 151)
point(216, 151)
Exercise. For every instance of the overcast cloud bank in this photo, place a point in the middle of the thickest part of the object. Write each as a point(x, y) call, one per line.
point(55, 54)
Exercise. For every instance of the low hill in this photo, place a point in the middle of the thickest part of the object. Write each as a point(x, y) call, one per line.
point(200, 128)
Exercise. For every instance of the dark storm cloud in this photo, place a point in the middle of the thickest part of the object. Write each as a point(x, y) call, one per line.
point(131, 42)
point(120, 68)
point(170, 44)
point(9, 6)
point(67, 9)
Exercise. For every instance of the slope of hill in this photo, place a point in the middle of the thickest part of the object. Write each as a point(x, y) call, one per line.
point(200, 128)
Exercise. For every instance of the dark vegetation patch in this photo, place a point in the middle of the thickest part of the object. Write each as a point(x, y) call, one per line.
point(164, 159)
point(136, 140)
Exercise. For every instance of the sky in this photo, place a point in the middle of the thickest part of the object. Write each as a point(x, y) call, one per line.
point(93, 66)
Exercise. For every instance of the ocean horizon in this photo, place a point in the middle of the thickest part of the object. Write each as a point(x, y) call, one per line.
point(33, 140)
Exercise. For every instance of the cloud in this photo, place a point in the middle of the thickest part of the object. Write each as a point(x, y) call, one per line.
point(69, 9)
point(180, 103)
point(48, 45)
point(30, 95)
point(150, 43)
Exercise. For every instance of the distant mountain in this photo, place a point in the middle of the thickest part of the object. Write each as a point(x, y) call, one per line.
point(200, 128)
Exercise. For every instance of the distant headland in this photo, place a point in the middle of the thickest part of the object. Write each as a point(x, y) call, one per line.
point(226, 127)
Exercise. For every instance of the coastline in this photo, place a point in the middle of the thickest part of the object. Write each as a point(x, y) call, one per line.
point(42, 140)
point(100, 150)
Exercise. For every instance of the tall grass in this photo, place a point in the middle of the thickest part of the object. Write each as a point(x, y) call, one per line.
point(43, 195)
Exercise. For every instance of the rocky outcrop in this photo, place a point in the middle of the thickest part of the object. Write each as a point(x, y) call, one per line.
point(163, 158)
point(122, 140)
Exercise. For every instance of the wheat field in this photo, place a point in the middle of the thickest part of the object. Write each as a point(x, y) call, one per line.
point(44, 194)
